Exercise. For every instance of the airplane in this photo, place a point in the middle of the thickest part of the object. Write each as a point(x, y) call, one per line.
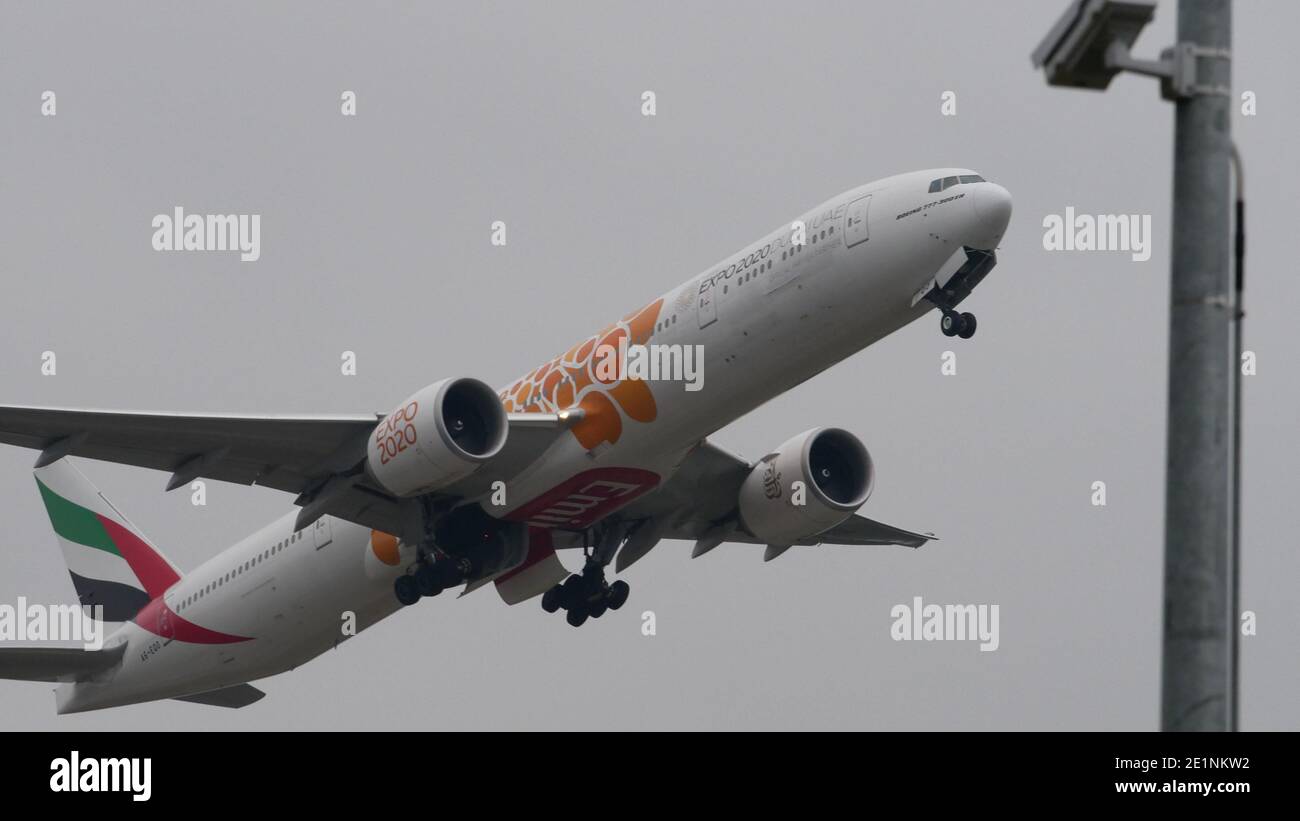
point(463, 484)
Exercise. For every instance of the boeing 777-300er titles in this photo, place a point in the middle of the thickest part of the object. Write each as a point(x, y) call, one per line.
point(463, 484)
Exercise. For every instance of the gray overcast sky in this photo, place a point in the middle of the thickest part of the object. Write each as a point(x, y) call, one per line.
point(375, 238)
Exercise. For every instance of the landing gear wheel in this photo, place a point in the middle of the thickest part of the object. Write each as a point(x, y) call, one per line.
point(576, 616)
point(426, 580)
point(406, 590)
point(950, 324)
point(598, 609)
point(571, 593)
point(967, 329)
point(551, 599)
point(617, 594)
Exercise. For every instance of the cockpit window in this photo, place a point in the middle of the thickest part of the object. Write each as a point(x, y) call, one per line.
point(944, 183)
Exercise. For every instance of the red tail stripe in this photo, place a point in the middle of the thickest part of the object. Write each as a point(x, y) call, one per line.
point(151, 569)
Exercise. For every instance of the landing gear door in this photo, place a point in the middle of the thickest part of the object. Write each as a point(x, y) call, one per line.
point(708, 306)
point(855, 221)
point(321, 532)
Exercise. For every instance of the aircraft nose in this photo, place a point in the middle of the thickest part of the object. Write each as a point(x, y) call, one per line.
point(992, 214)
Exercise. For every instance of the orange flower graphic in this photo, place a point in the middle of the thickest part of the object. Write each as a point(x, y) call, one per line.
point(573, 380)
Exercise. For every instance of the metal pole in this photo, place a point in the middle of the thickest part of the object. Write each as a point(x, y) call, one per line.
point(1195, 681)
point(1239, 317)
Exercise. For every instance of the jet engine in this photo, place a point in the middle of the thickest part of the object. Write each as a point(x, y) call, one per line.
point(442, 433)
point(807, 486)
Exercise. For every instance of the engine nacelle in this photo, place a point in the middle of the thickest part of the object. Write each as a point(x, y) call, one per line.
point(837, 477)
point(442, 433)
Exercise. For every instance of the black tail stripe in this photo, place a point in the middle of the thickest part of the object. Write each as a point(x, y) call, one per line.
point(120, 601)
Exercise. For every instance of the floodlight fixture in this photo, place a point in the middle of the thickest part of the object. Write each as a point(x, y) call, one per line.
point(1092, 42)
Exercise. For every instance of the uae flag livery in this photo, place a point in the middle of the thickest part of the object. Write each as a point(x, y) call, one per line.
point(112, 565)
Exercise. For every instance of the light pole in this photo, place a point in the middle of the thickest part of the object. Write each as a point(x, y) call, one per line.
point(1086, 49)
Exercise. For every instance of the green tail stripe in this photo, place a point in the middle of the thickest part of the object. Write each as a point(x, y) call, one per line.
point(75, 523)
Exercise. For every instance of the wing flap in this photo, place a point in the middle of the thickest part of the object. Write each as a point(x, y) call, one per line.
point(859, 530)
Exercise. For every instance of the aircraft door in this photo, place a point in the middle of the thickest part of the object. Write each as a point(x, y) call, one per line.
point(855, 221)
point(321, 532)
point(708, 307)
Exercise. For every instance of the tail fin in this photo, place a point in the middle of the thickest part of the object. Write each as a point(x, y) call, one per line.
point(111, 562)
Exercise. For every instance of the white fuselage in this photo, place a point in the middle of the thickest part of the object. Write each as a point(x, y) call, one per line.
point(768, 317)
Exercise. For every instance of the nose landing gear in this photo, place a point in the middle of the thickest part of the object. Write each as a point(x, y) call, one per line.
point(955, 324)
point(951, 323)
point(959, 286)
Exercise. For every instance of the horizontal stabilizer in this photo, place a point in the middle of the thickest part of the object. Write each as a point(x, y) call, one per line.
point(56, 663)
point(240, 695)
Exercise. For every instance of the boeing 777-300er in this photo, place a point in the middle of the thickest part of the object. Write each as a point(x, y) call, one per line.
point(461, 484)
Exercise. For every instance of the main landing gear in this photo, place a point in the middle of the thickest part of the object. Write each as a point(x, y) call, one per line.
point(431, 576)
point(587, 595)
point(465, 531)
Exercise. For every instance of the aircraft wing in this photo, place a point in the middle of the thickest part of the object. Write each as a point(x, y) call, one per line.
point(283, 452)
point(314, 456)
point(698, 503)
